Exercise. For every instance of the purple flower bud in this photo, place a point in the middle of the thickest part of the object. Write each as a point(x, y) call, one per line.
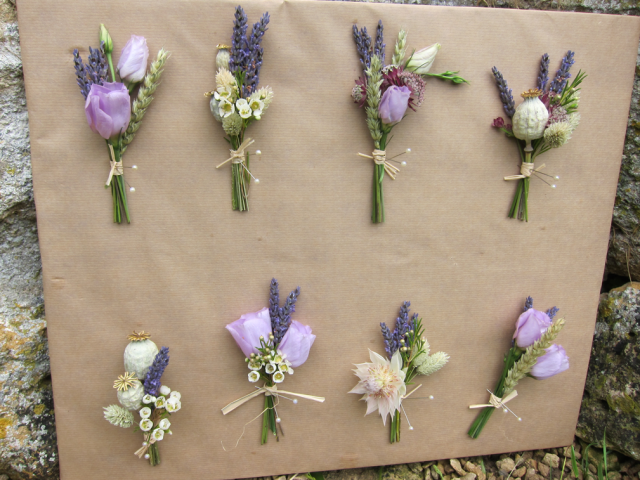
point(108, 109)
point(530, 327)
point(132, 65)
point(551, 363)
point(297, 343)
point(393, 104)
point(248, 329)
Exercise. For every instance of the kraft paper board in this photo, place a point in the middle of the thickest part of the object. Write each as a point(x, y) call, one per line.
point(188, 264)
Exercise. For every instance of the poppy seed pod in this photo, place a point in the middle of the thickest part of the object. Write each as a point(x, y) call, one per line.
point(530, 118)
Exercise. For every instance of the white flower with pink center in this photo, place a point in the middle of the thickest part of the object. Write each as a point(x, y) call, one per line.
point(381, 383)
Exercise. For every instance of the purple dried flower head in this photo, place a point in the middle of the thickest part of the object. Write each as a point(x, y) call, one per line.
point(417, 85)
point(498, 122)
point(152, 381)
point(557, 114)
point(378, 48)
point(81, 79)
point(359, 92)
point(281, 316)
point(363, 45)
point(552, 312)
point(256, 53)
point(506, 94)
point(543, 76)
point(403, 325)
point(562, 75)
point(238, 55)
point(274, 304)
point(528, 304)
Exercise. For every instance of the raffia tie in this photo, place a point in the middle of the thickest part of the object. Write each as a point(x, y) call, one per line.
point(116, 167)
point(238, 156)
point(379, 157)
point(526, 170)
point(144, 448)
point(497, 402)
point(268, 391)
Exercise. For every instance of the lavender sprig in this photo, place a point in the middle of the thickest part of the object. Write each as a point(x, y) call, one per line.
point(239, 57)
point(152, 382)
point(543, 76)
point(552, 312)
point(255, 55)
point(80, 74)
point(528, 303)
point(363, 45)
point(390, 345)
point(274, 304)
point(562, 75)
point(96, 65)
point(378, 48)
point(506, 94)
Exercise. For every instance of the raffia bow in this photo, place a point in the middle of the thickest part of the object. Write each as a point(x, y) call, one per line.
point(497, 402)
point(380, 158)
point(144, 448)
point(268, 391)
point(116, 167)
point(238, 156)
point(526, 170)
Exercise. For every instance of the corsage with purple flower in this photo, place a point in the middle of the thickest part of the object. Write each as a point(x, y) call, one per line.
point(532, 354)
point(237, 101)
point(154, 401)
point(387, 91)
point(108, 106)
point(274, 345)
point(383, 382)
point(544, 120)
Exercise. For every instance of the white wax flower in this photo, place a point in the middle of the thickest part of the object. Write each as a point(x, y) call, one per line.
point(278, 377)
point(158, 434)
point(173, 405)
point(270, 368)
point(160, 402)
point(254, 376)
point(175, 394)
point(146, 424)
point(257, 106)
point(226, 108)
point(254, 366)
point(145, 412)
point(164, 424)
point(148, 399)
point(244, 110)
point(279, 357)
point(164, 390)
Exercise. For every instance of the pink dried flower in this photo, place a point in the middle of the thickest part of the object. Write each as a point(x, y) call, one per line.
point(498, 122)
point(381, 383)
point(417, 85)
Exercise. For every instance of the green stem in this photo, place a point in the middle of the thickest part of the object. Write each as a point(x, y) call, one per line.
point(483, 417)
point(111, 69)
point(377, 212)
point(154, 454)
point(520, 205)
point(395, 427)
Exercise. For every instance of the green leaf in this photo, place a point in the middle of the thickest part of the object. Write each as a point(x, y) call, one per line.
point(574, 464)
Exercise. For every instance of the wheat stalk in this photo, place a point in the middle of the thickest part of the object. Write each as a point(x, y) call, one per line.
point(144, 98)
point(401, 48)
point(374, 81)
point(523, 366)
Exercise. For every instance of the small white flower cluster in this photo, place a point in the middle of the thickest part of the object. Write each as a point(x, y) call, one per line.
point(226, 100)
point(274, 362)
point(168, 400)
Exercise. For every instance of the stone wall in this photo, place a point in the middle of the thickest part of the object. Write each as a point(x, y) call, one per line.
point(27, 425)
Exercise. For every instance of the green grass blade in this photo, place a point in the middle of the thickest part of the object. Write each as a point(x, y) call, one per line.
point(574, 463)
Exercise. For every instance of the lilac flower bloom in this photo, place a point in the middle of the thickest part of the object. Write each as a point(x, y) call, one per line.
point(394, 104)
point(530, 327)
point(551, 363)
point(132, 65)
point(248, 329)
point(152, 381)
point(108, 109)
point(297, 343)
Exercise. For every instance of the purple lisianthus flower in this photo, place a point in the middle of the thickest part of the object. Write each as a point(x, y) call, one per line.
point(248, 329)
point(108, 109)
point(393, 104)
point(530, 327)
point(551, 363)
point(132, 65)
point(297, 343)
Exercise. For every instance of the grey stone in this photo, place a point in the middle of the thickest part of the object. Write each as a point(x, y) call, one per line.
point(544, 470)
point(611, 397)
point(506, 465)
point(455, 464)
point(551, 460)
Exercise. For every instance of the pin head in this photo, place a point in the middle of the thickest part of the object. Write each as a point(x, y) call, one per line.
point(295, 401)
point(411, 427)
point(430, 397)
point(134, 167)
point(258, 152)
point(403, 163)
point(257, 180)
point(132, 189)
point(408, 150)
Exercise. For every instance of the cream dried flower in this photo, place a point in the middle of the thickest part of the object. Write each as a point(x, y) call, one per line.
point(265, 94)
point(574, 120)
point(428, 364)
point(232, 126)
point(381, 383)
point(225, 82)
point(557, 134)
point(118, 416)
